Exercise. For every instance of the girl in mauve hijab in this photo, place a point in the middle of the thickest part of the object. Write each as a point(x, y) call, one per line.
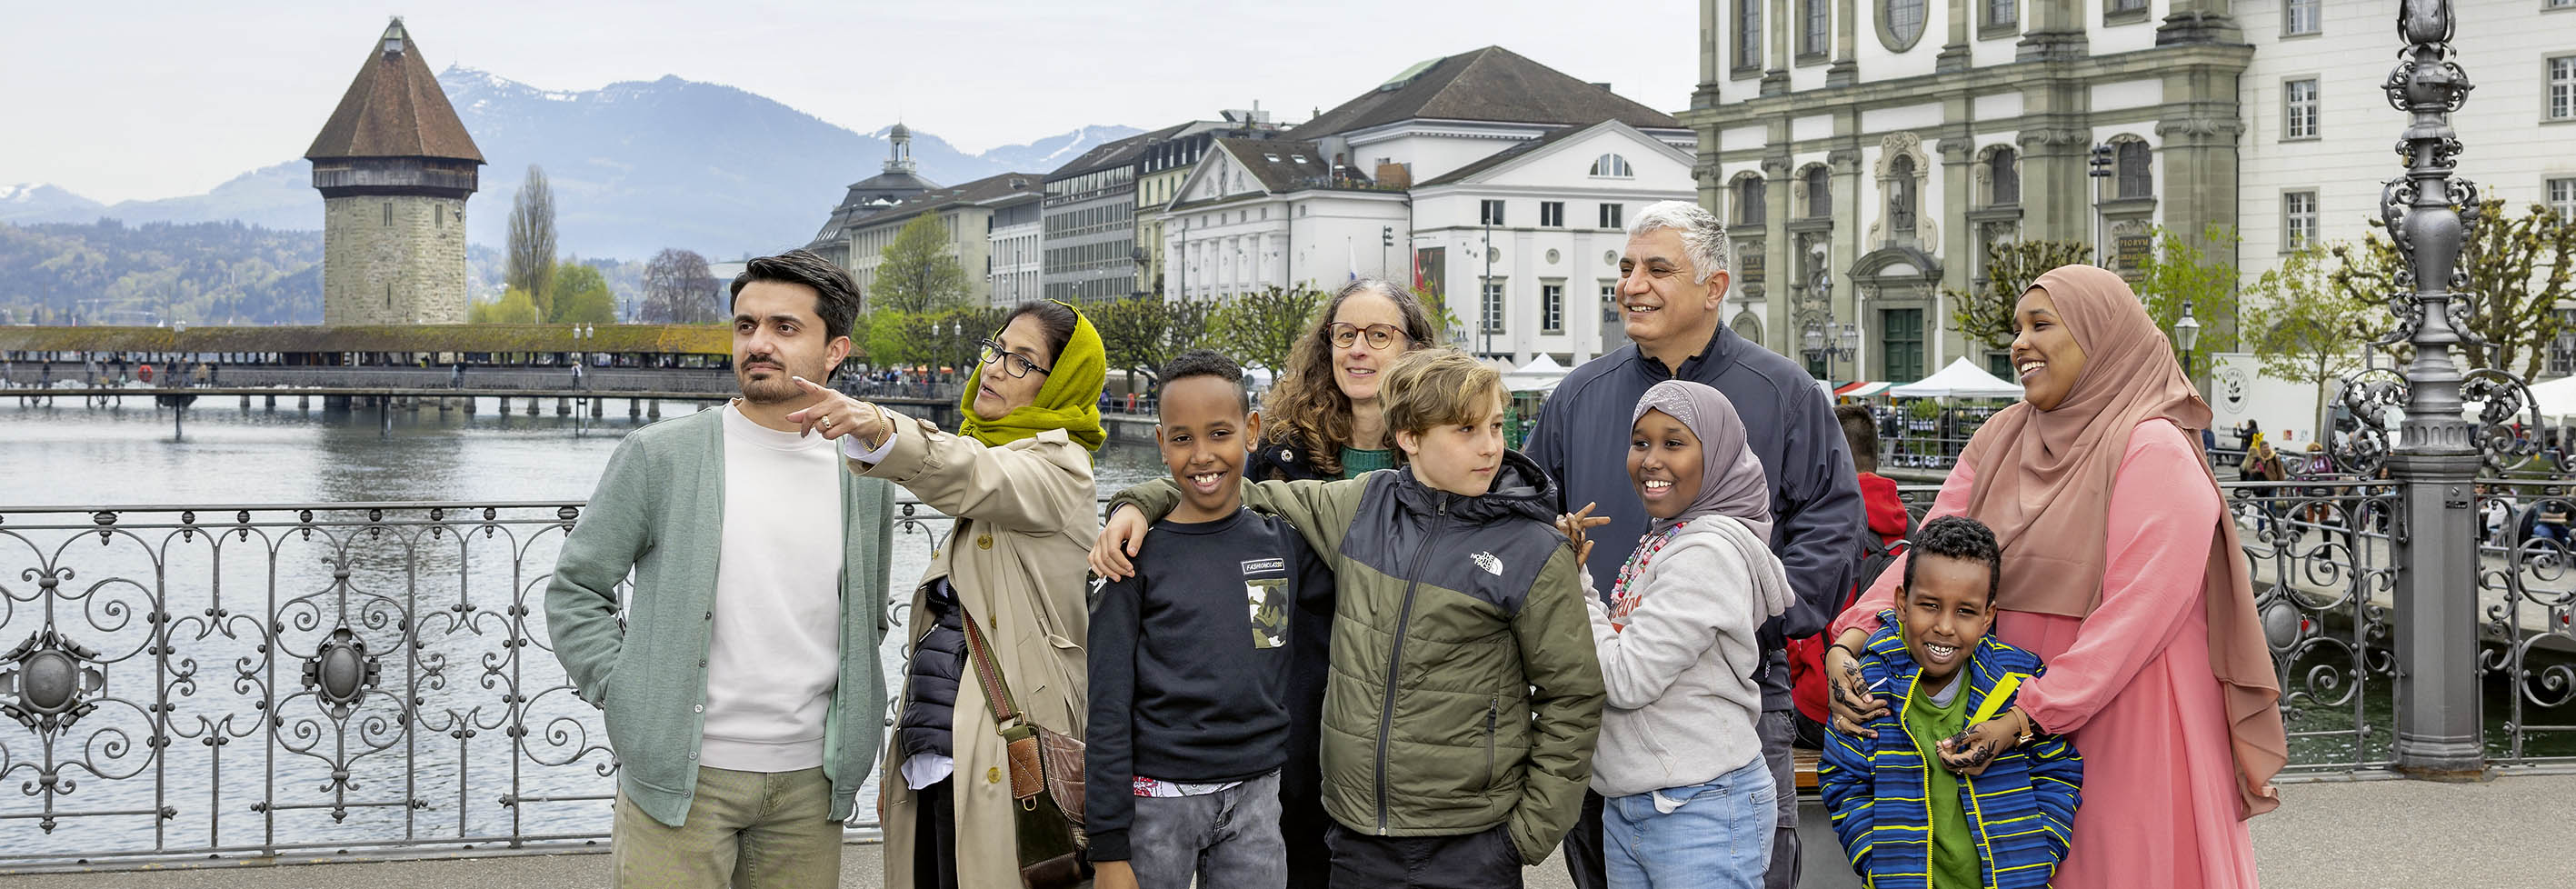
point(1678, 763)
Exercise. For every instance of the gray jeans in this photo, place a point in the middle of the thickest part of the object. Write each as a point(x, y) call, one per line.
point(1776, 728)
point(1229, 838)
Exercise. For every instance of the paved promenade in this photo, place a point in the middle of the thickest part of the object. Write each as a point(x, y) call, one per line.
point(2506, 834)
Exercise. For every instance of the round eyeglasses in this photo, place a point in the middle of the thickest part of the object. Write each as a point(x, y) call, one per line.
point(1012, 363)
point(1380, 336)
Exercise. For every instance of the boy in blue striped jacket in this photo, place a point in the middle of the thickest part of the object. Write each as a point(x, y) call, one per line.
point(1907, 816)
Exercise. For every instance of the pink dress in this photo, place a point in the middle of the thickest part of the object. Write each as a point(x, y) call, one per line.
point(2130, 683)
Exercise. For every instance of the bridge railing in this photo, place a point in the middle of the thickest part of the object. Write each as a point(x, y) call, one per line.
point(2320, 552)
point(240, 681)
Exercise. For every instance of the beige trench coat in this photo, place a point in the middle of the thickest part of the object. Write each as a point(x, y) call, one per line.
point(1026, 516)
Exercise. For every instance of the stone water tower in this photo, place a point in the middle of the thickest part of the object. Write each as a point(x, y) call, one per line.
point(394, 166)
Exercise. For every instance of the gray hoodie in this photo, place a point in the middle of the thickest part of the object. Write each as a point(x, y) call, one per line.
point(1682, 700)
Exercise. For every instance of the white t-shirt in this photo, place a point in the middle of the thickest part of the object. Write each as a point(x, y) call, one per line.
point(774, 657)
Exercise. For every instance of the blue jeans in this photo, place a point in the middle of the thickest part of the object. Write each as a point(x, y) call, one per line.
point(1716, 834)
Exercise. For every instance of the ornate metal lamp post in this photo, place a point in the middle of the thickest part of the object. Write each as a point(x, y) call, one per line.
point(2186, 333)
point(2436, 458)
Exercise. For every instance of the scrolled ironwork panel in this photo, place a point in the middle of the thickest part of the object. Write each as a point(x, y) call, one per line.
point(260, 679)
point(2527, 594)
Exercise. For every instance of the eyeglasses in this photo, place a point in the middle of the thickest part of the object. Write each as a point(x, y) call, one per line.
point(1015, 365)
point(1380, 336)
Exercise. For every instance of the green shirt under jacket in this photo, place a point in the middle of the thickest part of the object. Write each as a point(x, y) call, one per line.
point(1954, 847)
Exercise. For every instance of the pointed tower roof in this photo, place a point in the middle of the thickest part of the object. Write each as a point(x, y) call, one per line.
point(394, 109)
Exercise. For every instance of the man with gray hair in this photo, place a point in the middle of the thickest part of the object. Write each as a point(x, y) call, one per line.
point(1672, 285)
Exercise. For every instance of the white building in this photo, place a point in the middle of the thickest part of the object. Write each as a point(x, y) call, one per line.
point(1537, 230)
point(964, 214)
point(2318, 128)
point(1888, 142)
point(1388, 183)
point(1012, 259)
point(1258, 213)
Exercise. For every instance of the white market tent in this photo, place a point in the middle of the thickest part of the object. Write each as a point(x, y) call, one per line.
point(1541, 374)
point(2557, 398)
point(1959, 380)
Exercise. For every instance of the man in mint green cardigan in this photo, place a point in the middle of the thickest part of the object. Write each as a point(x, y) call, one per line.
point(743, 695)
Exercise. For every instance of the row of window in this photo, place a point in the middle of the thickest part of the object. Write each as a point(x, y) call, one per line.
point(1903, 21)
point(1091, 182)
point(2299, 226)
point(1551, 305)
point(2132, 169)
point(1080, 257)
point(1551, 214)
point(438, 214)
point(1090, 220)
point(1093, 290)
point(2299, 117)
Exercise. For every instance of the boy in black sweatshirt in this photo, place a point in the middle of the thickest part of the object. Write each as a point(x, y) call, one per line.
point(1190, 710)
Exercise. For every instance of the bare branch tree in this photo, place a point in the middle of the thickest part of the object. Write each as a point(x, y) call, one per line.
point(2518, 272)
point(678, 289)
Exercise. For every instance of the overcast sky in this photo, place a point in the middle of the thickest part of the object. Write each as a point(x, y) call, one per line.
point(114, 99)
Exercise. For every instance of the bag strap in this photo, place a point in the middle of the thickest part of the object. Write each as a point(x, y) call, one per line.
point(997, 692)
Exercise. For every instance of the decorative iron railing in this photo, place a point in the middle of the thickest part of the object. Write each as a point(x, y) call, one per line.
point(242, 681)
point(2319, 553)
point(237, 681)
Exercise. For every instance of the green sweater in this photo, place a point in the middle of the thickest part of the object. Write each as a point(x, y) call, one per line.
point(659, 512)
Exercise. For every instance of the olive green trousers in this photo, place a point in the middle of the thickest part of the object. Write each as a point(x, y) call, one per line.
point(749, 830)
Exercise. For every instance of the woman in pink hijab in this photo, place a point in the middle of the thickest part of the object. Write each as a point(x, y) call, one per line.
point(2122, 571)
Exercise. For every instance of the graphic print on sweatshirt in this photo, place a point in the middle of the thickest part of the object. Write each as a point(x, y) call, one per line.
point(1265, 593)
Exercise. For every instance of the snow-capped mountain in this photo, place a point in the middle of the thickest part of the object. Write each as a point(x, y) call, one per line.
point(28, 200)
point(635, 167)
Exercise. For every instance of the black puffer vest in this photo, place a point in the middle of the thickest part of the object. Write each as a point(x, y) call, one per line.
point(938, 660)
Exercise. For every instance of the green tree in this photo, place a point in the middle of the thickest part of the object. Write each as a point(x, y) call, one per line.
point(1142, 333)
point(2177, 271)
point(2301, 331)
point(919, 273)
point(2517, 273)
point(896, 339)
point(532, 238)
point(1445, 324)
point(1261, 328)
point(1986, 314)
point(514, 307)
point(956, 337)
point(580, 296)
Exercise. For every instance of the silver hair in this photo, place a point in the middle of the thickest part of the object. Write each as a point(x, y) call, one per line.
point(1703, 237)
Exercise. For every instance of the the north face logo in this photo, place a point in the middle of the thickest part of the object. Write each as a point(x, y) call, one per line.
point(1487, 561)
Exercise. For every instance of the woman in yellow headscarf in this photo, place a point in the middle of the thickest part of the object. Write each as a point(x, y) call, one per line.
point(1017, 477)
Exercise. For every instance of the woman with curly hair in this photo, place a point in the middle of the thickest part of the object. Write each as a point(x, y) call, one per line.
point(1322, 420)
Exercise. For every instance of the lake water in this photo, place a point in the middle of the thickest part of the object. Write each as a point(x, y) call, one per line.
point(456, 597)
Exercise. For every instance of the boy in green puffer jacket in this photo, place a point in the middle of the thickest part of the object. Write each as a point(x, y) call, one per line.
point(1464, 694)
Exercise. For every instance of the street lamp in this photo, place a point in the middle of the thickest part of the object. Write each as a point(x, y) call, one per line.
point(2102, 167)
point(1821, 337)
point(1824, 339)
point(2186, 332)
